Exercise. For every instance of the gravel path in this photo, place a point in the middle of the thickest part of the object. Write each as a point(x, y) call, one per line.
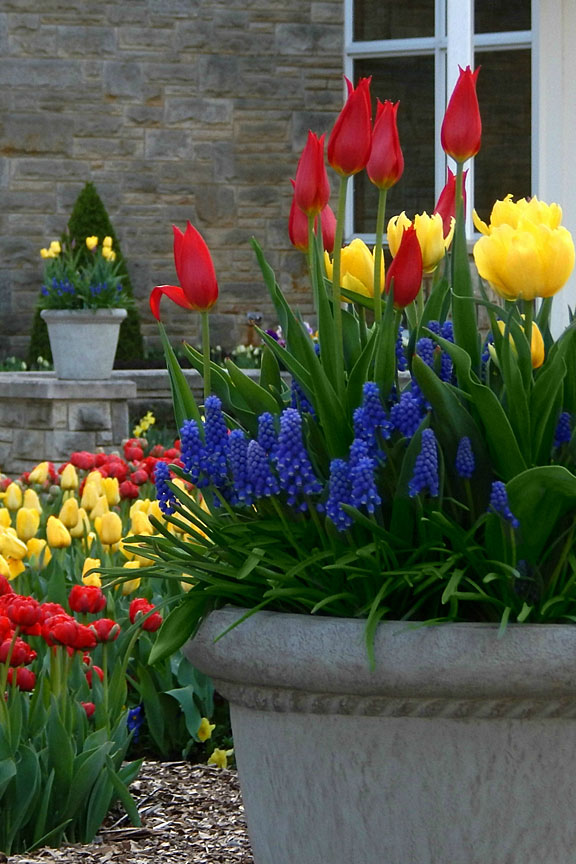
point(190, 813)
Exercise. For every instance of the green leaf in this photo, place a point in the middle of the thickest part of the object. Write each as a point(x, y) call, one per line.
point(185, 406)
point(270, 378)
point(185, 698)
point(256, 397)
point(463, 304)
point(123, 793)
point(539, 497)
point(179, 626)
point(7, 772)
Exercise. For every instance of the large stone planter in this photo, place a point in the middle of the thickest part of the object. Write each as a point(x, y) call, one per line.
point(83, 341)
point(459, 748)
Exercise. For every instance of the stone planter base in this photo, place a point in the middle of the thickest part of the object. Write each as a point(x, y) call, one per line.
point(457, 749)
point(83, 341)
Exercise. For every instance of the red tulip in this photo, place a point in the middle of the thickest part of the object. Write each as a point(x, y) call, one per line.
point(198, 286)
point(89, 708)
point(386, 162)
point(311, 187)
point(298, 227)
point(462, 126)
point(5, 587)
point(25, 678)
point(446, 204)
point(405, 271)
point(105, 629)
point(86, 598)
point(140, 607)
point(19, 651)
point(351, 138)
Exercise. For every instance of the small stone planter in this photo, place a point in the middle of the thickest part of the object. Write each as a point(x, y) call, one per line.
point(83, 341)
point(457, 749)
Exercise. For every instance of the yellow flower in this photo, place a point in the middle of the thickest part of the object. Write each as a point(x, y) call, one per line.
point(39, 553)
point(537, 349)
point(13, 497)
point(31, 500)
point(90, 496)
point(57, 534)
point(15, 567)
point(205, 730)
point(529, 261)
point(154, 510)
point(55, 248)
point(140, 504)
point(356, 268)
point(100, 508)
point(131, 585)
point(140, 524)
point(45, 253)
point(93, 578)
point(69, 477)
point(39, 474)
point(69, 513)
point(27, 523)
point(220, 758)
point(108, 253)
point(107, 242)
point(11, 546)
point(96, 478)
point(91, 242)
point(509, 212)
point(110, 528)
point(5, 519)
point(82, 526)
point(111, 490)
point(430, 234)
point(5, 568)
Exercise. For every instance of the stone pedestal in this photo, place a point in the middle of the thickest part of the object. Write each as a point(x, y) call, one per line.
point(42, 417)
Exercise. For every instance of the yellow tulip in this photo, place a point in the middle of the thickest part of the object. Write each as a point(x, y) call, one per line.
point(430, 234)
point(140, 524)
point(110, 528)
point(509, 212)
point(31, 500)
point(93, 578)
point(108, 253)
point(537, 349)
point(5, 568)
point(131, 584)
point(39, 553)
point(111, 489)
point(107, 241)
point(91, 243)
point(11, 546)
point(90, 495)
point(57, 534)
point(154, 510)
point(69, 477)
point(27, 523)
point(13, 497)
point(55, 247)
point(100, 508)
point(95, 477)
point(82, 526)
point(15, 567)
point(532, 260)
point(5, 518)
point(356, 268)
point(39, 474)
point(69, 513)
point(140, 504)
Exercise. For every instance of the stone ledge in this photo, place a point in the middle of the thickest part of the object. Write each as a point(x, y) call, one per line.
point(45, 385)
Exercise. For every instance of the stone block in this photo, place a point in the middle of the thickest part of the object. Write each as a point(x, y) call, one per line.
point(202, 111)
point(62, 442)
point(119, 421)
point(123, 79)
point(87, 41)
point(89, 416)
point(30, 444)
point(167, 144)
point(27, 413)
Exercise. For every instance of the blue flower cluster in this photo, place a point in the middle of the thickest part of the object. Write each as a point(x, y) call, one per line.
point(60, 287)
point(499, 503)
point(166, 498)
point(465, 461)
point(425, 476)
point(563, 429)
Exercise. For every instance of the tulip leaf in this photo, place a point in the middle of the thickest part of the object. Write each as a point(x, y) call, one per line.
point(185, 406)
point(515, 395)
point(539, 497)
point(463, 304)
point(545, 407)
point(270, 378)
point(438, 303)
point(255, 396)
point(178, 626)
point(502, 444)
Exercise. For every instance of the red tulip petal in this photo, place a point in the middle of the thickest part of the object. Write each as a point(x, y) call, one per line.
point(174, 292)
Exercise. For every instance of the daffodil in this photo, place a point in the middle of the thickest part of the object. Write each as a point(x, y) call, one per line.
point(205, 730)
point(220, 758)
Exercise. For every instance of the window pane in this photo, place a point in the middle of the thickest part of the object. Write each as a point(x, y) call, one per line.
point(388, 19)
point(497, 16)
point(503, 164)
point(410, 80)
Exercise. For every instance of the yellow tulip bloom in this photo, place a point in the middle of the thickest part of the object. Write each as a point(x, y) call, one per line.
point(5, 518)
point(509, 212)
point(140, 504)
point(55, 247)
point(430, 234)
point(82, 526)
point(69, 513)
point(5, 568)
point(537, 349)
point(39, 553)
point(13, 497)
point(57, 534)
point(107, 241)
point(110, 528)
point(96, 478)
point(39, 474)
point(100, 508)
point(15, 567)
point(131, 585)
point(140, 524)
point(31, 500)
point(11, 546)
point(90, 495)
point(69, 477)
point(93, 578)
point(91, 242)
point(27, 523)
point(356, 268)
point(532, 260)
point(111, 489)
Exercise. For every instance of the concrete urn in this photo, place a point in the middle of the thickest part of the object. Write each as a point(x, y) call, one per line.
point(459, 747)
point(83, 341)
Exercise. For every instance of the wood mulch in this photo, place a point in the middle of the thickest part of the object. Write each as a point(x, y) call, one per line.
point(189, 813)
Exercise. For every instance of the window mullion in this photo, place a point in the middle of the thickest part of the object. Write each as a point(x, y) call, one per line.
point(460, 53)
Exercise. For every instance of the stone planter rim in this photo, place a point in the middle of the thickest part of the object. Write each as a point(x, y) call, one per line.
point(84, 315)
point(328, 655)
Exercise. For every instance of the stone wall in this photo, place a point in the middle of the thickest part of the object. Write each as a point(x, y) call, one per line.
point(176, 110)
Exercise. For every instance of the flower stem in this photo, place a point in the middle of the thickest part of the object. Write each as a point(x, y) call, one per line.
point(206, 352)
point(336, 280)
point(378, 253)
point(528, 320)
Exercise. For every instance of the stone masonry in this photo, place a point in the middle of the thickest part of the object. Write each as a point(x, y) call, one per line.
point(176, 110)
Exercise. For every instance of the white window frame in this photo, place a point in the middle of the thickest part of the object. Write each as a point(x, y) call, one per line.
point(453, 45)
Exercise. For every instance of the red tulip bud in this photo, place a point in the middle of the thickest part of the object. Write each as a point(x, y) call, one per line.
point(461, 132)
point(386, 162)
point(311, 187)
point(405, 271)
point(446, 204)
point(351, 138)
point(198, 286)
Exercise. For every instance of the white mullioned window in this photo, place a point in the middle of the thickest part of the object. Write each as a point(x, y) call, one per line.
point(412, 50)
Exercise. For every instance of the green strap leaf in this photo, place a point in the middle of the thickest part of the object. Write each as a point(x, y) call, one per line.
point(185, 406)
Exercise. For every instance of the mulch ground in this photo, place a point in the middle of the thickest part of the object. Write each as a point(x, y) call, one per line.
point(189, 813)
